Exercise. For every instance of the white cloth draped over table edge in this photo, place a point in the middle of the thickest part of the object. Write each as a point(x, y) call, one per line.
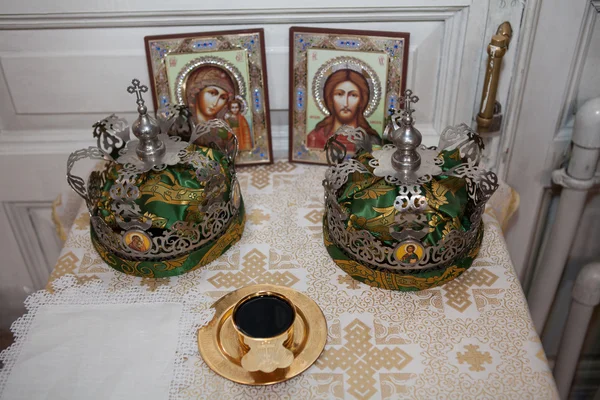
point(195, 311)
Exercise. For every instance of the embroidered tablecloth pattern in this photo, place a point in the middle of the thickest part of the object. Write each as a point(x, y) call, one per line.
point(470, 338)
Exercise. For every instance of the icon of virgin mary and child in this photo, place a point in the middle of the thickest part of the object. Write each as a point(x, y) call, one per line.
point(211, 93)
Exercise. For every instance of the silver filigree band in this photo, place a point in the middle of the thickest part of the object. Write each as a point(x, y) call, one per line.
point(215, 211)
point(410, 204)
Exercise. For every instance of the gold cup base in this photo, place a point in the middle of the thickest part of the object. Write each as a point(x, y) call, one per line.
point(219, 344)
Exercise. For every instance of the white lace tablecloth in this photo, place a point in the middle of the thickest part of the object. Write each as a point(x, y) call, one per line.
point(471, 338)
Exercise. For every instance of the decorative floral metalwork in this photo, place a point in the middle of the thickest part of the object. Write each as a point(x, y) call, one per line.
point(215, 212)
point(410, 222)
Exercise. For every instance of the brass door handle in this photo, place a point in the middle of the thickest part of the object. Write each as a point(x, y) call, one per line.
point(496, 50)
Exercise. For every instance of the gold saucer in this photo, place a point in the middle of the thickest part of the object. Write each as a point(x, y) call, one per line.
point(218, 341)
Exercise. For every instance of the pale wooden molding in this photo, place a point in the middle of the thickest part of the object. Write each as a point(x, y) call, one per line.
point(33, 247)
point(449, 98)
point(225, 17)
point(29, 142)
point(515, 98)
point(583, 44)
point(32, 142)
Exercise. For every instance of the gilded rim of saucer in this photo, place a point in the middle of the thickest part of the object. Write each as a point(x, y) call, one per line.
point(215, 338)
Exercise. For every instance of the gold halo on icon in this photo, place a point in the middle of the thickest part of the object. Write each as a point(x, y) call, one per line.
point(137, 241)
point(243, 107)
point(409, 252)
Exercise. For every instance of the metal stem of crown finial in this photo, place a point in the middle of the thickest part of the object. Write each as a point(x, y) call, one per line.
point(150, 148)
point(406, 138)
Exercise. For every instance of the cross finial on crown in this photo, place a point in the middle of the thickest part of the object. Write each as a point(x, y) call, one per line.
point(138, 90)
point(408, 99)
point(406, 138)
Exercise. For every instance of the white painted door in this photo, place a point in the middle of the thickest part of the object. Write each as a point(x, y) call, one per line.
point(65, 64)
point(559, 77)
point(560, 72)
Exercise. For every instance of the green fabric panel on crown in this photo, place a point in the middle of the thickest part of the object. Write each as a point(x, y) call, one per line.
point(173, 194)
point(174, 182)
point(370, 201)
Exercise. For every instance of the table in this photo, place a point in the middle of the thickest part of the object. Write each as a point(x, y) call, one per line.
point(470, 338)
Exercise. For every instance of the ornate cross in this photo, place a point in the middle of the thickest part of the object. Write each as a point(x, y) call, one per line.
point(407, 99)
point(138, 90)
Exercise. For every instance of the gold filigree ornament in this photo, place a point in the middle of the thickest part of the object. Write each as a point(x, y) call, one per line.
point(259, 361)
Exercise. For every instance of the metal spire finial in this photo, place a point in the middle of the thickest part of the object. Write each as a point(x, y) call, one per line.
point(150, 148)
point(408, 98)
point(407, 138)
point(138, 90)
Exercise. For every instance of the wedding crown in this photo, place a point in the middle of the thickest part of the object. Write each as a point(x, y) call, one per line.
point(161, 205)
point(400, 215)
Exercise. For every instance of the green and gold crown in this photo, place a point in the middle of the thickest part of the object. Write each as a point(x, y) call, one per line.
point(399, 215)
point(161, 206)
